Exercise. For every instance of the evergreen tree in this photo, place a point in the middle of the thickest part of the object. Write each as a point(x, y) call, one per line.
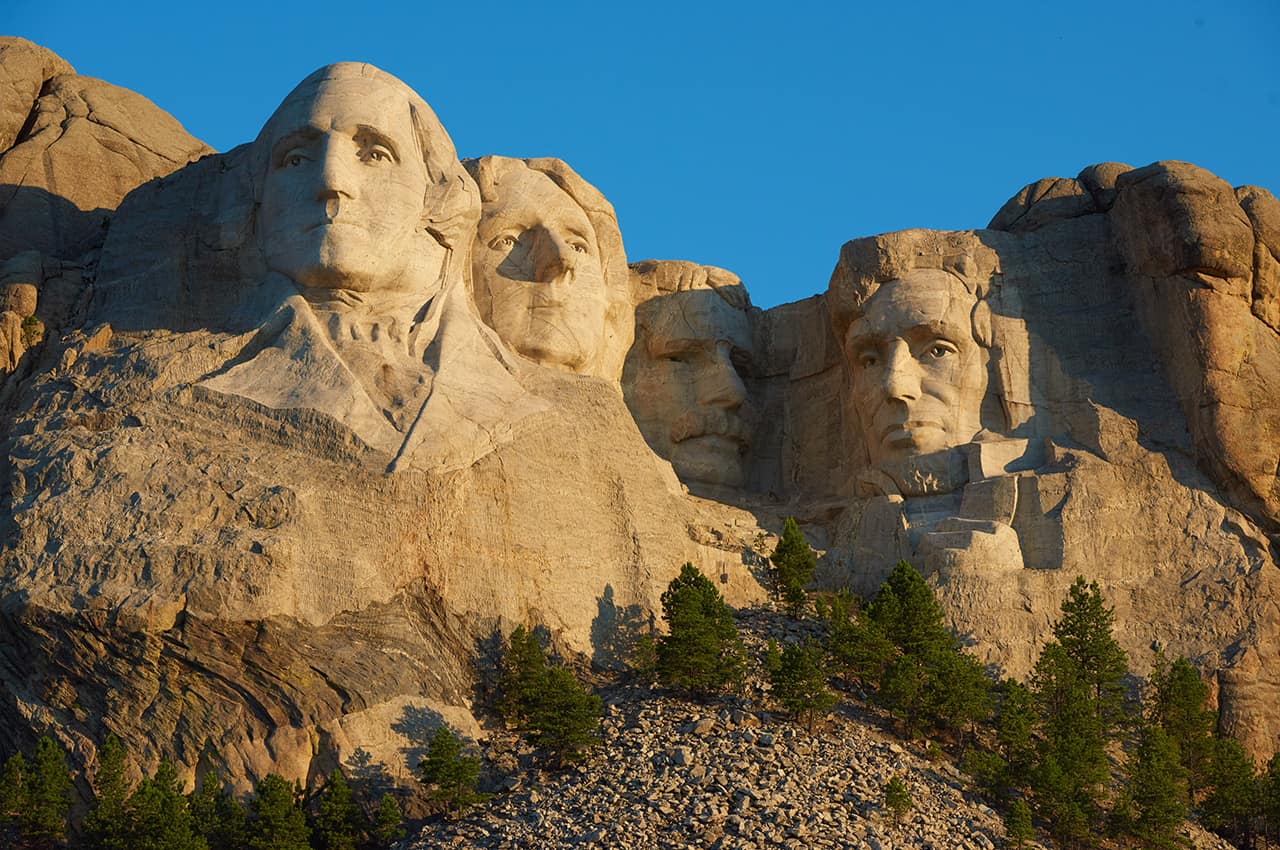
point(388, 822)
point(910, 616)
point(1269, 797)
point(793, 564)
point(858, 645)
point(957, 692)
point(897, 799)
point(1085, 633)
point(13, 788)
point(1017, 824)
point(1015, 725)
point(1230, 806)
point(523, 666)
point(338, 821)
point(799, 682)
point(48, 794)
point(1071, 762)
point(449, 774)
point(276, 818)
point(701, 653)
point(565, 717)
point(1177, 700)
point(217, 815)
point(156, 815)
point(1156, 788)
point(902, 691)
point(104, 825)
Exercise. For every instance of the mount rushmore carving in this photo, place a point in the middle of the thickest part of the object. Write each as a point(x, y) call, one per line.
point(307, 421)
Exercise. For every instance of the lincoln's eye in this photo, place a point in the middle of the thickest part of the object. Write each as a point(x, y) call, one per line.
point(867, 359)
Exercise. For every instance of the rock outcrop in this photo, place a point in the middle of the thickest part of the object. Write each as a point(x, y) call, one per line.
point(274, 481)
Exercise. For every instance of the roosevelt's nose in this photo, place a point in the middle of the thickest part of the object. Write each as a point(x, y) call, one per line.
point(552, 256)
point(902, 372)
point(720, 385)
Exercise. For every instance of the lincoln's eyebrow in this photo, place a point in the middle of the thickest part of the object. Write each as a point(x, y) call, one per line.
point(369, 133)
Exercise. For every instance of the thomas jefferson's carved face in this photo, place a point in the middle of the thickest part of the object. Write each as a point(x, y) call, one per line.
point(342, 201)
point(918, 374)
point(684, 384)
point(539, 278)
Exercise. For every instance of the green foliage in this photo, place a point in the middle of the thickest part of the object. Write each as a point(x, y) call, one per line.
point(1155, 793)
point(276, 818)
point(449, 774)
point(798, 681)
point(338, 823)
point(48, 794)
point(156, 816)
point(1269, 796)
point(1085, 633)
point(907, 612)
point(1229, 808)
point(1071, 762)
point(1015, 725)
point(1017, 824)
point(1177, 698)
point(897, 799)
point(524, 665)
point(13, 788)
point(857, 644)
point(388, 821)
point(793, 565)
point(104, 826)
point(565, 717)
point(217, 815)
point(32, 331)
point(701, 653)
point(902, 691)
point(957, 691)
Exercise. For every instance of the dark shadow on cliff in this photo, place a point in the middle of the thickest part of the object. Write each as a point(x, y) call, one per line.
point(417, 725)
point(615, 630)
point(35, 219)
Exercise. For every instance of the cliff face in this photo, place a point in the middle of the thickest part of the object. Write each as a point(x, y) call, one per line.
point(258, 525)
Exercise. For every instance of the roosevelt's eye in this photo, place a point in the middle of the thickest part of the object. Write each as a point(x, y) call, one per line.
point(940, 349)
point(506, 241)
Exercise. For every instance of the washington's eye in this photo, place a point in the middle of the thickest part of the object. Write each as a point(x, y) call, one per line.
point(292, 160)
point(376, 153)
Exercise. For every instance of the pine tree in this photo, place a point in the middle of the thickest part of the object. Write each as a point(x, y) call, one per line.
point(48, 794)
point(1156, 787)
point(449, 774)
point(156, 815)
point(13, 788)
point(701, 653)
point(957, 692)
point(1231, 804)
point(276, 818)
point(858, 646)
point(1015, 725)
point(338, 821)
point(1085, 633)
point(1071, 762)
point(897, 799)
point(388, 822)
point(217, 815)
point(104, 825)
point(1269, 797)
point(565, 718)
point(1177, 703)
point(1017, 824)
point(523, 666)
point(910, 616)
point(902, 691)
point(793, 564)
point(799, 682)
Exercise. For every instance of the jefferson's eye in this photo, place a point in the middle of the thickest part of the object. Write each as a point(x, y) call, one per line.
point(580, 247)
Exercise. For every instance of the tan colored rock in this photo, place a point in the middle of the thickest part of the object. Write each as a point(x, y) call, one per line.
point(684, 378)
point(550, 274)
point(79, 148)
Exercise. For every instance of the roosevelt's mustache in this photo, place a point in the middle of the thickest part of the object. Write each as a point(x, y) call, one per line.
point(736, 424)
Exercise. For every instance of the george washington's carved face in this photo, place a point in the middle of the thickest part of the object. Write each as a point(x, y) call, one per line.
point(919, 376)
point(342, 199)
point(539, 277)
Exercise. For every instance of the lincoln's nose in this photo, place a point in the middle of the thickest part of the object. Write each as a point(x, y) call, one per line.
point(902, 372)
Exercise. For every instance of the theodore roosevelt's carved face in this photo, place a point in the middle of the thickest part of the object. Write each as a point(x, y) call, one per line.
point(919, 376)
point(539, 277)
point(342, 198)
point(684, 384)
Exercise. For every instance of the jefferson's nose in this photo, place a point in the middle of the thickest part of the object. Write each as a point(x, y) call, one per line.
point(552, 256)
point(719, 384)
point(902, 372)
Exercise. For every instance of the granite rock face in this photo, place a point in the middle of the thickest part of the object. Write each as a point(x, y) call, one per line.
point(312, 421)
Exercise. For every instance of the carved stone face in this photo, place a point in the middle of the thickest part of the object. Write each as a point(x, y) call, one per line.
point(342, 199)
point(539, 281)
point(684, 384)
point(918, 374)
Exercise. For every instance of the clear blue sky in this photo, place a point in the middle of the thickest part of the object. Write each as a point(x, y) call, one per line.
point(754, 137)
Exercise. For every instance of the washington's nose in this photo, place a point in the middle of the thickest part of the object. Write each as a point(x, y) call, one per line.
point(552, 256)
point(902, 373)
point(335, 179)
point(720, 385)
